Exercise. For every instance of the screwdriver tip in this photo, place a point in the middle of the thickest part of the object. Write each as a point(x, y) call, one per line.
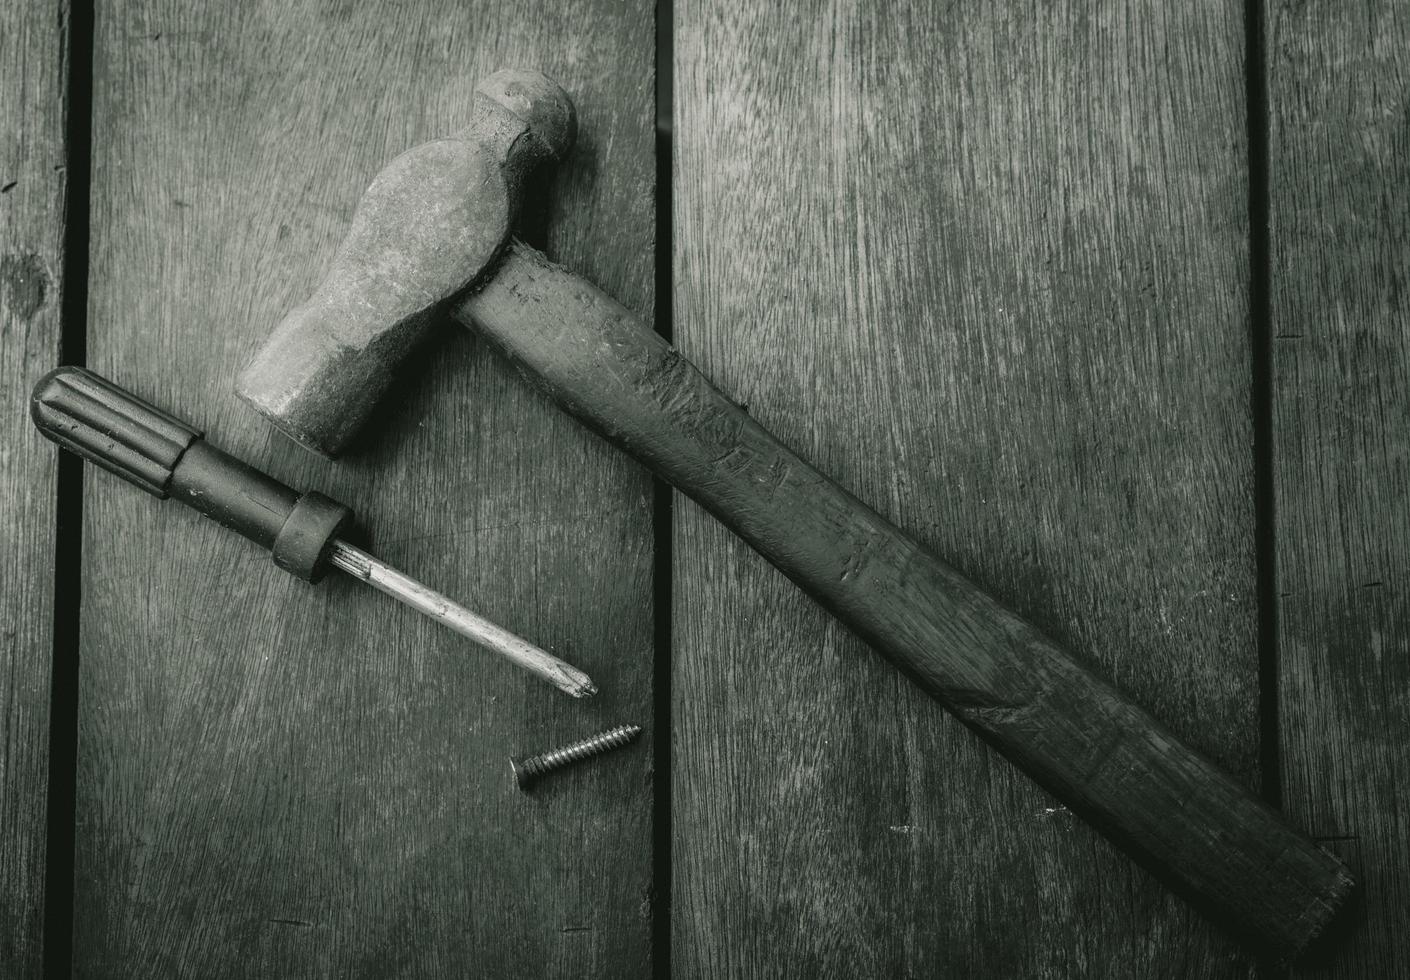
point(584, 688)
point(564, 676)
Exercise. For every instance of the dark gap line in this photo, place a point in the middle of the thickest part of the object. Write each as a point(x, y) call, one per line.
point(68, 534)
point(1261, 393)
point(663, 508)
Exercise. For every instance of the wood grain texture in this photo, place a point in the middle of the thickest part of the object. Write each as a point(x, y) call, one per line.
point(986, 265)
point(1205, 834)
point(33, 184)
point(279, 779)
point(1339, 181)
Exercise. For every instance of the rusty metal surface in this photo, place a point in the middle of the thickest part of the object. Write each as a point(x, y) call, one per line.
point(427, 228)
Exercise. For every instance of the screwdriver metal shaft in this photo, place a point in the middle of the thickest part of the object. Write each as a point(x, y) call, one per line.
point(113, 428)
point(382, 577)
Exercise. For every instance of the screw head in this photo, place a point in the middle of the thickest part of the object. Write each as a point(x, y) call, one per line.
point(522, 776)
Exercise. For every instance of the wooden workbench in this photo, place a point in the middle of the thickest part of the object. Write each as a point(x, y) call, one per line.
point(1105, 301)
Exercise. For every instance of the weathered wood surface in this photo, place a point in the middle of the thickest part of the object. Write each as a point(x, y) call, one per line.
point(988, 267)
point(1205, 834)
point(1339, 182)
point(33, 184)
point(284, 780)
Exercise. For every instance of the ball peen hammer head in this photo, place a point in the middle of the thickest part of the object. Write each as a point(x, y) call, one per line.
point(429, 227)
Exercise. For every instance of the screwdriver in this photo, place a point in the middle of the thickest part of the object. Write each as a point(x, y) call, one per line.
point(107, 425)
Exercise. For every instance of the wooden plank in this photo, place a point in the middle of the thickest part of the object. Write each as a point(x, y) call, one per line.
point(1167, 806)
point(284, 780)
point(986, 266)
point(1339, 165)
point(33, 185)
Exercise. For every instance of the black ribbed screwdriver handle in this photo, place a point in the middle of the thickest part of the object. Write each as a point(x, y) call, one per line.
point(91, 416)
point(108, 425)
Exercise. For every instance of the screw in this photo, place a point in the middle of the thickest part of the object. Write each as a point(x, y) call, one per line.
point(529, 768)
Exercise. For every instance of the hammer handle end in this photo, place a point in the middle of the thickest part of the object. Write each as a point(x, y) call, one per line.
point(1198, 829)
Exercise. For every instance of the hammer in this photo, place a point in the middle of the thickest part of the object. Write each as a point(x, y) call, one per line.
point(432, 239)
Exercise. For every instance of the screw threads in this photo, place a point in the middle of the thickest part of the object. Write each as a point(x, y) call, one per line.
point(530, 768)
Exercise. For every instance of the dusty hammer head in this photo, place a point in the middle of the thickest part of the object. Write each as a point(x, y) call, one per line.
point(429, 226)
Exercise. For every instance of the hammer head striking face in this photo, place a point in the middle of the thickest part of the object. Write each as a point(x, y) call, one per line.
point(430, 225)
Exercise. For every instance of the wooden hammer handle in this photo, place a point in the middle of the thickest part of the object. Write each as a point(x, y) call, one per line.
point(1108, 760)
